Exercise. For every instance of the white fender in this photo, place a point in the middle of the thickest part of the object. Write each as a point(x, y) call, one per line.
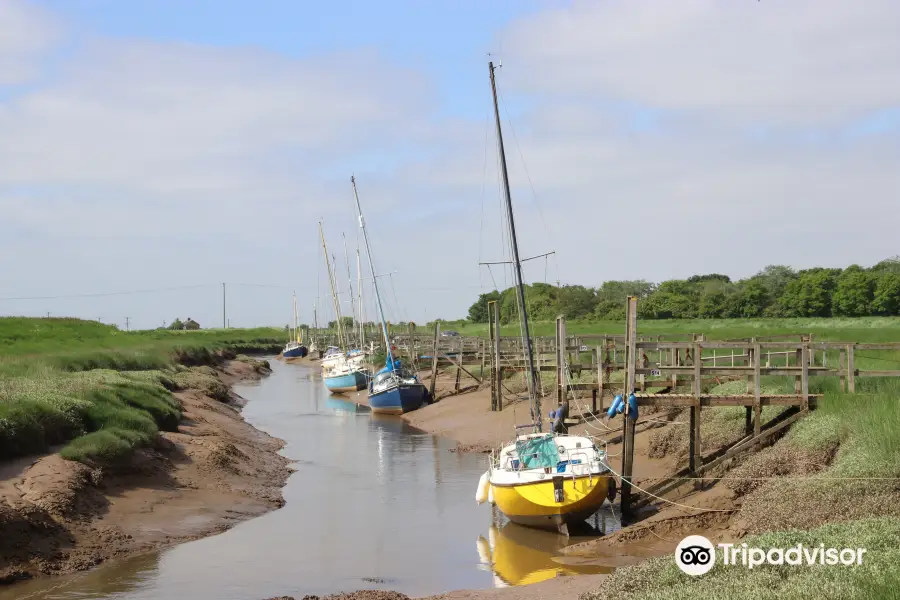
point(484, 551)
point(490, 494)
point(481, 494)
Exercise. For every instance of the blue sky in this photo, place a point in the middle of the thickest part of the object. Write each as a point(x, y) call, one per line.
point(149, 144)
point(443, 38)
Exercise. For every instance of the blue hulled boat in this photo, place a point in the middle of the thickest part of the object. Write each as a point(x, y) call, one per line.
point(394, 389)
point(348, 382)
point(294, 350)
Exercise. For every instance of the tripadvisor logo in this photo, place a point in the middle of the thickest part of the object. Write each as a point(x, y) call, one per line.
point(695, 555)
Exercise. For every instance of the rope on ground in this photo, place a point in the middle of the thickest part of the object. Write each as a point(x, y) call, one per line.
point(672, 502)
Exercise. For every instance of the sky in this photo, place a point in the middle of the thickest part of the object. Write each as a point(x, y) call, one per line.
point(151, 150)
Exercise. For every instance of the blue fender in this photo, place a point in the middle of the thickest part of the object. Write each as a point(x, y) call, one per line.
point(632, 407)
point(614, 407)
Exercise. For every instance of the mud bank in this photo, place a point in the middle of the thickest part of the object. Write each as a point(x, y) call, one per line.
point(215, 471)
point(561, 588)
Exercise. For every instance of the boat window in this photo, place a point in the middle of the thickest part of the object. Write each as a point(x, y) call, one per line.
point(381, 378)
point(538, 452)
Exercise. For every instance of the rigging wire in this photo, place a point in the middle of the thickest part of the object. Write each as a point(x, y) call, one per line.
point(483, 189)
point(528, 176)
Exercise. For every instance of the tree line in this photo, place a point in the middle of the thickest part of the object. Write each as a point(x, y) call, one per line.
point(776, 291)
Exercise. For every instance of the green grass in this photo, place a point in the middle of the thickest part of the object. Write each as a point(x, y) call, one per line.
point(102, 390)
point(869, 329)
point(76, 345)
point(878, 577)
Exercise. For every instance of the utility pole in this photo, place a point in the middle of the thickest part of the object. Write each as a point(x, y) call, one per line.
point(224, 317)
point(127, 324)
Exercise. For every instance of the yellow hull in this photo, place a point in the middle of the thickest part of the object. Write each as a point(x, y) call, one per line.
point(534, 504)
point(524, 556)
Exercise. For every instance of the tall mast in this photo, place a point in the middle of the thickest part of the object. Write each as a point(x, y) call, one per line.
point(297, 320)
point(362, 225)
point(334, 298)
point(349, 283)
point(520, 290)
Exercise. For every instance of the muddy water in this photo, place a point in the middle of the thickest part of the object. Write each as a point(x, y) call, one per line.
point(373, 503)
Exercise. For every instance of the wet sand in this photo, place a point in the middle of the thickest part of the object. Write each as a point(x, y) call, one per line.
point(59, 516)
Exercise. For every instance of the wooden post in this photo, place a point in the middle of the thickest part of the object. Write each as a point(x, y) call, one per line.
point(695, 455)
point(628, 433)
point(600, 375)
point(434, 357)
point(561, 356)
point(757, 391)
point(458, 367)
point(492, 306)
point(841, 363)
point(483, 344)
point(804, 377)
point(851, 369)
point(498, 368)
point(412, 346)
point(801, 357)
point(675, 362)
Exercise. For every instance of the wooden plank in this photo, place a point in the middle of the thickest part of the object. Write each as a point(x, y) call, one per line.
point(755, 440)
point(461, 368)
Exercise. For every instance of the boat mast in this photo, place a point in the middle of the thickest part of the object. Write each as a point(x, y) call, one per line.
point(349, 284)
point(520, 290)
point(297, 320)
point(334, 298)
point(362, 225)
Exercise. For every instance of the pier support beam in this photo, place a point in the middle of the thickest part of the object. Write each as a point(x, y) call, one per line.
point(496, 371)
point(434, 358)
point(628, 433)
point(561, 360)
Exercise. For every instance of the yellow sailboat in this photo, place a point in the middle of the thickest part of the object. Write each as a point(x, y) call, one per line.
point(544, 480)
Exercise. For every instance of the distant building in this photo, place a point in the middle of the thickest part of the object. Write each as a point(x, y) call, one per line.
point(189, 323)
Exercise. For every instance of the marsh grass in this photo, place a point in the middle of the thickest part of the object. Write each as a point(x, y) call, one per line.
point(877, 577)
point(102, 390)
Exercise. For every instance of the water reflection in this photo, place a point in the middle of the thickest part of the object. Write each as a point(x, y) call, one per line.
point(371, 496)
point(519, 555)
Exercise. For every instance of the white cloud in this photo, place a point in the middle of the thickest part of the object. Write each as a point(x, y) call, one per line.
point(746, 159)
point(25, 33)
point(804, 62)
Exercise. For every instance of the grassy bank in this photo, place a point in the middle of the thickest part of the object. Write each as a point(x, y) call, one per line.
point(875, 579)
point(831, 479)
point(100, 390)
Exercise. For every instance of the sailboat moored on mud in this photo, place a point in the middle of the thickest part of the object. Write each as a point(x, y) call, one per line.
point(395, 389)
point(544, 480)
